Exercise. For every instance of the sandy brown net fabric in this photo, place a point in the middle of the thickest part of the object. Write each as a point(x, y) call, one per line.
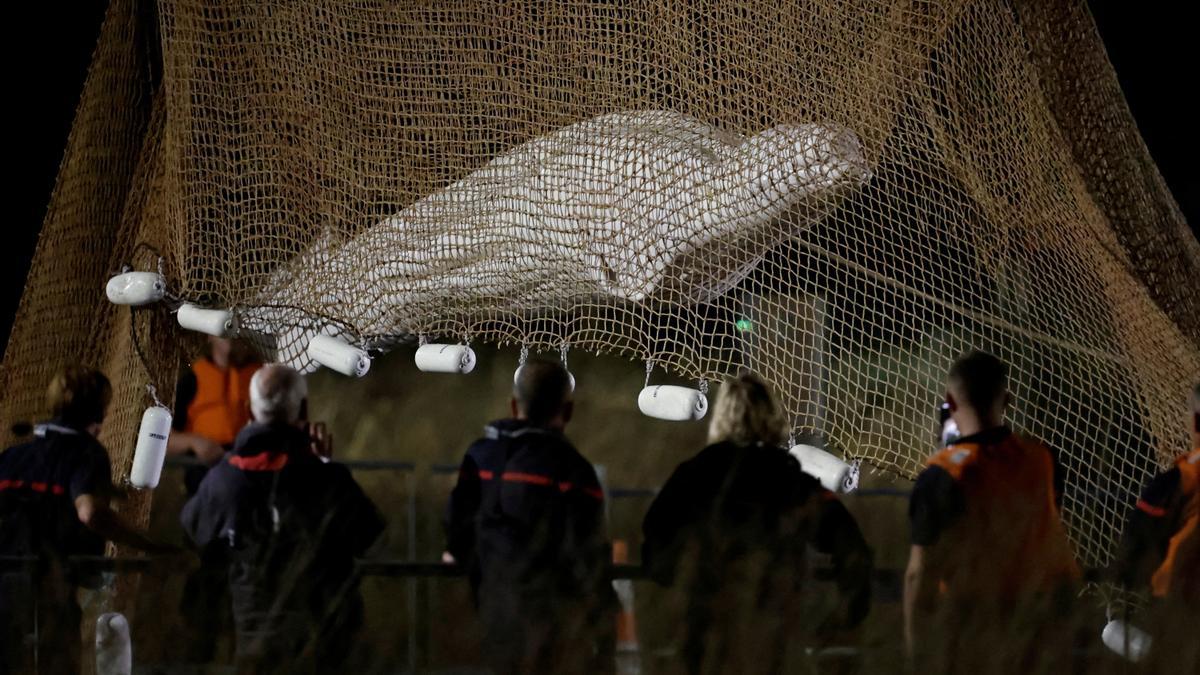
point(839, 195)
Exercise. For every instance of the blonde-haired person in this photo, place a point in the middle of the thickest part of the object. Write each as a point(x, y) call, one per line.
point(729, 530)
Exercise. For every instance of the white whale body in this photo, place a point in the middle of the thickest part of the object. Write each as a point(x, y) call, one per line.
point(633, 206)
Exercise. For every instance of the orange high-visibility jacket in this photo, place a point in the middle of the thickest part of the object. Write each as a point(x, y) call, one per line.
point(1168, 575)
point(1010, 540)
point(221, 406)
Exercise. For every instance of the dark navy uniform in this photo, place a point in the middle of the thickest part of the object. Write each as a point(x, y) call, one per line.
point(1160, 549)
point(292, 526)
point(1159, 527)
point(39, 482)
point(527, 519)
point(732, 528)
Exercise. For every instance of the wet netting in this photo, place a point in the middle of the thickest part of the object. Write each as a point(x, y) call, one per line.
point(841, 196)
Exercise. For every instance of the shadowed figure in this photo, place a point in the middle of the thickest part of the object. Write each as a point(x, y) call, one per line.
point(291, 524)
point(731, 530)
point(526, 519)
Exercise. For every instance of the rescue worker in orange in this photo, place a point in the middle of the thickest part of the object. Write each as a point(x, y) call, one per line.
point(991, 574)
point(212, 404)
point(1161, 550)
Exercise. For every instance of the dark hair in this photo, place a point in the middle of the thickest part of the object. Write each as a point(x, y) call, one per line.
point(79, 396)
point(541, 390)
point(980, 378)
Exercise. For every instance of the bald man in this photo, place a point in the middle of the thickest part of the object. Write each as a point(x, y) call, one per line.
point(526, 519)
point(989, 552)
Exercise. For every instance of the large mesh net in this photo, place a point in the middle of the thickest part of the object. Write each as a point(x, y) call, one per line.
point(839, 195)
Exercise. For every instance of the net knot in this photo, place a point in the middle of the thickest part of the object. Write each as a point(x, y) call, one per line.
point(153, 391)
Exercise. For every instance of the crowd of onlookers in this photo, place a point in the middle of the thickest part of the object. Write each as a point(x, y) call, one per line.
point(739, 532)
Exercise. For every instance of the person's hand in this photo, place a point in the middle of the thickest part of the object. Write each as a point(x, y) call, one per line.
point(448, 558)
point(206, 451)
point(320, 440)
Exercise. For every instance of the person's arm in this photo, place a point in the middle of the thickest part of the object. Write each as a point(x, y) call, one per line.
point(182, 442)
point(667, 524)
point(209, 514)
point(1148, 532)
point(593, 551)
point(91, 487)
point(920, 596)
point(461, 511)
point(936, 502)
point(839, 537)
point(95, 515)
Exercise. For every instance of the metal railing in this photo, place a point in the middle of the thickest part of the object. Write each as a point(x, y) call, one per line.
point(413, 570)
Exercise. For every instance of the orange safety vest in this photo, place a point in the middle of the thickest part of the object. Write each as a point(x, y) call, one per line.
point(221, 406)
point(1166, 577)
point(1010, 542)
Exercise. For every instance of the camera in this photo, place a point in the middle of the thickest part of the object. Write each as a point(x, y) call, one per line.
point(947, 429)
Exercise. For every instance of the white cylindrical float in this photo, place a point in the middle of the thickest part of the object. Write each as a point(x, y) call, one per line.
point(151, 448)
point(136, 288)
point(831, 471)
point(217, 322)
point(438, 358)
point(335, 354)
point(1126, 640)
point(669, 402)
point(114, 654)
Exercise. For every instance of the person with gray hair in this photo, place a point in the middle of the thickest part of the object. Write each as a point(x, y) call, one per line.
point(277, 394)
point(291, 523)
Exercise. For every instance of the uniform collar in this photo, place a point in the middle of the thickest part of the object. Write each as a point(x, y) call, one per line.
point(513, 428)
point(57, 426)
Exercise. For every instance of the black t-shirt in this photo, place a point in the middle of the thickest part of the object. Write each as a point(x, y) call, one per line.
point(39, 483)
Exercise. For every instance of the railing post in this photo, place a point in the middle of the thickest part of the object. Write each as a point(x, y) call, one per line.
point(412, 558)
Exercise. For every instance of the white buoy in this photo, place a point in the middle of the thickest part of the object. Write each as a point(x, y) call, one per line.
point(216, 322)
point(517, 375)
point(831, 471)
point(1120, 637)
point(136, 288)
point(335, 354)
point(438, 358)
point(114, 654)
point(151, 448)
point(669, 402)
